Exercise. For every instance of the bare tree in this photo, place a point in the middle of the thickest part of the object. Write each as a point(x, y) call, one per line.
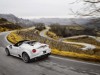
point(90, 7)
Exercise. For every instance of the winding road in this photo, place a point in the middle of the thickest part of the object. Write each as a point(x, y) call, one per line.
point(43, 32)
point(54, 65)
point(86, 45)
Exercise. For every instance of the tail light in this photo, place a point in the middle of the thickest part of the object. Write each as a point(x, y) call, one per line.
point(34, 50)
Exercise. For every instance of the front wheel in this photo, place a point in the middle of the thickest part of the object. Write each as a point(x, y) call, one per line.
point(7, 52)
point(25, 57)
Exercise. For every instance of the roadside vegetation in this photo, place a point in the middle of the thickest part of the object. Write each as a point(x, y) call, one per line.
point(40, 26)
point(52, 35)
point(6, 25)
point(70, 30)
point(81, 56)
point(14, 38)
point(84, 39)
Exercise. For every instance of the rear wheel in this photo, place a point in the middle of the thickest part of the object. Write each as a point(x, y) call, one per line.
point(25, 57)
point(48, 55)
point(7, 52)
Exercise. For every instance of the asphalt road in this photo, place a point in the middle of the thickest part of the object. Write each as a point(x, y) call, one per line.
point(54, 65)
point(43, 33)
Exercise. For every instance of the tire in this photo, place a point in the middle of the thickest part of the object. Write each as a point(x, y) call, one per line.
point(25, 57)
point(47, 56)
point(7, 52)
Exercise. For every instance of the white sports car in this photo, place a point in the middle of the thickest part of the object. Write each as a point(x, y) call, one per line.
point(28, 50)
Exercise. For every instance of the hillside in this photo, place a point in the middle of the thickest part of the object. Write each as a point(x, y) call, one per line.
point(20, 21)
point(5, 25)
point(91, 22)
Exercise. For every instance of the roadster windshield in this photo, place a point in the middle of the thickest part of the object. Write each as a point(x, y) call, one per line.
point(30, 42)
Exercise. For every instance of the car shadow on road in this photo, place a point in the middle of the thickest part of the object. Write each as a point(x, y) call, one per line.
point(40, 59)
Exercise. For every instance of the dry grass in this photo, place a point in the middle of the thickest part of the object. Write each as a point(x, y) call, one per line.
point(14, 38)
point(88, 40)
point(52, 35)
point(76, 55)
point(85, 39)
point(75, 27)
point(2, 29)
point(55, 37)
point(78, 46)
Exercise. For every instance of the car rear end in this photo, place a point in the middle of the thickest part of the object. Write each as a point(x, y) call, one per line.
point(40, 50)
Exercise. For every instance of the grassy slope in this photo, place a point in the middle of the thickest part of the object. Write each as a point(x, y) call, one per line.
point(14, 38)
point(6, 25)
point(54, 36)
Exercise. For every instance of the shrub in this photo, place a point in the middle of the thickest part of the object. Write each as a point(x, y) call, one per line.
point(40, 26)
point(67, 31)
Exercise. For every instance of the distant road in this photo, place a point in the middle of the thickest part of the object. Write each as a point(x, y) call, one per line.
point(43, 33)
point(86, 46)
point(54, 65)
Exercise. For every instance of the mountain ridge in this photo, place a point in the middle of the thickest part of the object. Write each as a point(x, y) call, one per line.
point(47, 21)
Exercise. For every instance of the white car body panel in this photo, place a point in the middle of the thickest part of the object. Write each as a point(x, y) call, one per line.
point(17, 51)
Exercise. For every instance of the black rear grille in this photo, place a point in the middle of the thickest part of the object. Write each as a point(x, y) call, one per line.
point(44, 51)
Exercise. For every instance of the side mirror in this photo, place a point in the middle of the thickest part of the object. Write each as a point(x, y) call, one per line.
point(10, 46)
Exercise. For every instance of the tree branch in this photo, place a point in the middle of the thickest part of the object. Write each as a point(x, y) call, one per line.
point(89, 1)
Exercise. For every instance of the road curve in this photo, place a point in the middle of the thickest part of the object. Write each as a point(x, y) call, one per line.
point(51, 66)
point(86, 45)
point(43, 32)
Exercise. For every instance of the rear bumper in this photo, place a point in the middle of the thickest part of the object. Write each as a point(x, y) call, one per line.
point(40, 53)
point(42, 56)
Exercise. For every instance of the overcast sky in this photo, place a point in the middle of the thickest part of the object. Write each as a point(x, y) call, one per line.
point(38, 8)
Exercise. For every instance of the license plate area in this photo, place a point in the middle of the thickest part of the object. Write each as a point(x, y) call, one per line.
point(44, 51)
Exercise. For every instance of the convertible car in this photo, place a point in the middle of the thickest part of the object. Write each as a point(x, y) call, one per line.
point(28, 50)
